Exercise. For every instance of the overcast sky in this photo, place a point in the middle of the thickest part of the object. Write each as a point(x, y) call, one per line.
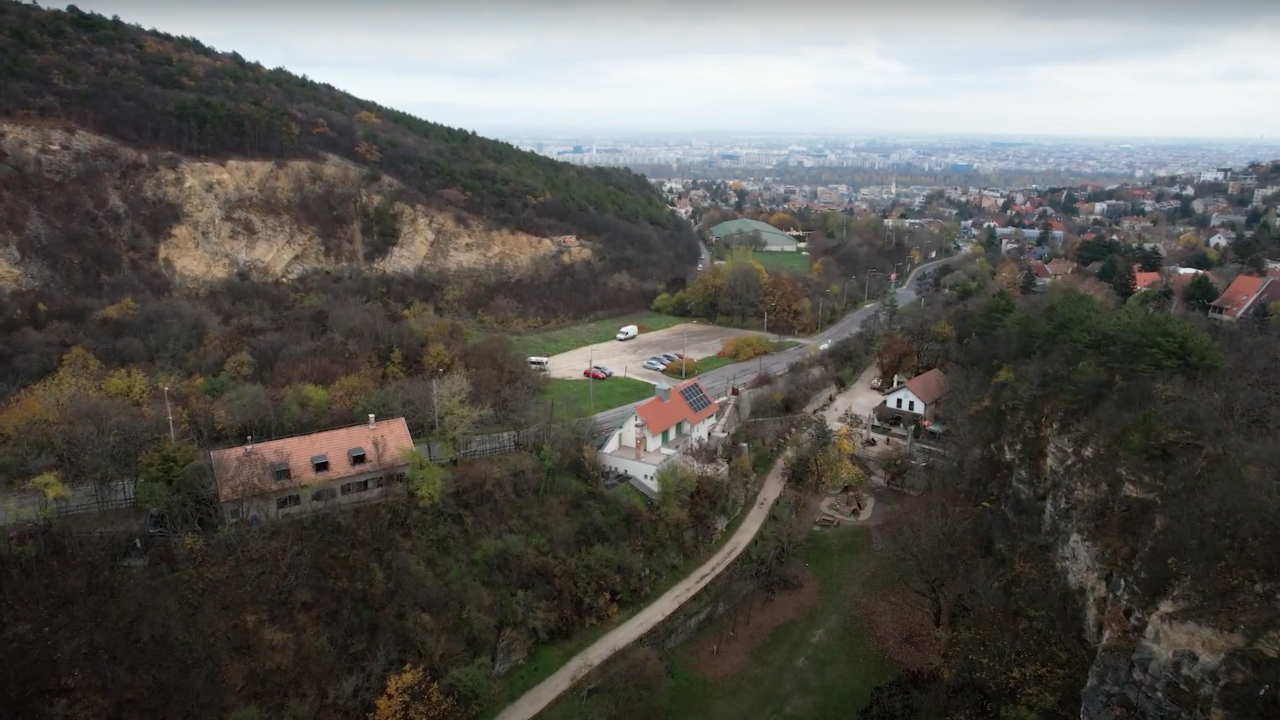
point(1123, 68)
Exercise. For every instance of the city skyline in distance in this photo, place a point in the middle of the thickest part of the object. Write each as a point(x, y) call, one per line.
point(1175, 70)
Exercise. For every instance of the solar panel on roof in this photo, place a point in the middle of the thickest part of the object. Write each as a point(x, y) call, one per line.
point(697, 399)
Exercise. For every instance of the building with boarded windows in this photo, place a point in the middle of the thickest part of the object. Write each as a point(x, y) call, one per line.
point(306, 473)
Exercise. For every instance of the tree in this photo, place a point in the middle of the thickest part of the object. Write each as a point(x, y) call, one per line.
point(163, 467)
point(1028, 284)
point(894, 356)
point(926, 548)
point(411, 695)
point(1124, 282)
point(459, 418)
point(889, 309)
point(424, 479)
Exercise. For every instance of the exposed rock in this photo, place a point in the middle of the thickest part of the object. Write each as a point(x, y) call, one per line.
point(512, 649)
point(274, 220)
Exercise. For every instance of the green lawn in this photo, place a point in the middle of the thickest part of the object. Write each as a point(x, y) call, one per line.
point(813, 667)
point(562, 339)
point(572, 398)
point(790, 262)
point(706, 364)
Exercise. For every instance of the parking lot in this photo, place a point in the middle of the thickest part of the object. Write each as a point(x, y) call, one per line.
point(625, 358)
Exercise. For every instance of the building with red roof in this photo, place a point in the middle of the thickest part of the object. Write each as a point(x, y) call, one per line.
point(1243, 295)
point(658, 431)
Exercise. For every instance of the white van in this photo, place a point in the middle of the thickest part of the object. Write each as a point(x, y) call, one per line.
point(539, 364)
point(627, 332)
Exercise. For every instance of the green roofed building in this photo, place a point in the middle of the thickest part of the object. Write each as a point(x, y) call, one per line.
point(774, 239)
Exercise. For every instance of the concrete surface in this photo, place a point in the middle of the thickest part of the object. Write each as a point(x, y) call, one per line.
point(858, 398)
point(542, 695)
point(625, 357)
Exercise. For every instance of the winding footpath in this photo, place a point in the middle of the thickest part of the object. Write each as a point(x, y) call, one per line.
point(545, 692)
point(542, 695)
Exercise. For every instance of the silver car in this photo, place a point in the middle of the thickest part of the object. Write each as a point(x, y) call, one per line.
point(655, 364)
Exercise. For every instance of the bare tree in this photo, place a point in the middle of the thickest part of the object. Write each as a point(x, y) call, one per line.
point(926, 547)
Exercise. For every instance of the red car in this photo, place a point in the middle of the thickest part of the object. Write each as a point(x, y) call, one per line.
point(594, 374)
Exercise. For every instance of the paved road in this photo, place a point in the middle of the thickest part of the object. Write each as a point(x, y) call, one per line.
point(717, 381)
point(534, 701)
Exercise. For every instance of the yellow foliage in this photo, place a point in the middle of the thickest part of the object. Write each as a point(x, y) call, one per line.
point(79, 374)
point(347, 392)
point(50, 487)
point(783, 221)
point(367, 117)
point(943, 332)
point(1190, 240)
point(395, 366)
point(436, 357)
point(239, 366)
point(411, 695)
point(1008, 276)
point(368, 151)
point(120, 311)
point(128, 384)
point(746, 347)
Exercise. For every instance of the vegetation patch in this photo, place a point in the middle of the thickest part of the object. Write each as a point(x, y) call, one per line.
point(570, 337)
point(567, 399)
point(795, 263)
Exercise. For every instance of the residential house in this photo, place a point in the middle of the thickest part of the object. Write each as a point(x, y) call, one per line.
point(1221, 219)
point(1181, 277)
point(1145, 280)
point(1220, 239)
point(1042, 273)
point(1059, 267)
point(657, 431)
point(1134, 223)
point(917, 397)
point(295, 475)
point(1243, 295)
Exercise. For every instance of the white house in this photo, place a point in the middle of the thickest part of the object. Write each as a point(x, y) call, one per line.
point(657, 431)
point(1220, 239)
point(918, 396)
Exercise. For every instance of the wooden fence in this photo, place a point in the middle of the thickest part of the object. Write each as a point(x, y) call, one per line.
point(483, 446)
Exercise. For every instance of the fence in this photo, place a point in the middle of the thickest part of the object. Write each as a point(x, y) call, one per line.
point(483, 446)
point(25, 506)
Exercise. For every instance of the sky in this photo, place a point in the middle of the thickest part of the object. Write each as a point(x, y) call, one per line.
point(1088, 68)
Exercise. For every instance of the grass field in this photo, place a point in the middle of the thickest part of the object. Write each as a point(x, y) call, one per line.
point(791, 262)
point(814, 667)
point(553, 342)
point(572, 398)
point(706, 364)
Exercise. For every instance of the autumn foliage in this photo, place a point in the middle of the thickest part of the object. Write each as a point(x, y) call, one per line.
point(411, 695)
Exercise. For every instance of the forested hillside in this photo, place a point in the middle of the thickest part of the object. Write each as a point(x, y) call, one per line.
point(1114, 484)
point(153, 91)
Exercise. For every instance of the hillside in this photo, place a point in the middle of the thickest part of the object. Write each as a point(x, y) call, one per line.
point(271, 173)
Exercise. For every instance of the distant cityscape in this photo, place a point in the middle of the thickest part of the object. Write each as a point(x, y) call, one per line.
point(692, 155)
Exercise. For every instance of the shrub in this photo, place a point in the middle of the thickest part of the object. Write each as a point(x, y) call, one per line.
point(690, 368)
point(746, 347)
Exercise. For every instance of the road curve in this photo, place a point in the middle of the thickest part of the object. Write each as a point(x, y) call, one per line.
point(533, 701)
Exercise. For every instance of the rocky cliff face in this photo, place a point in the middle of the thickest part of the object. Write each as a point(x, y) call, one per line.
point(78, 198)
point(1158, 657)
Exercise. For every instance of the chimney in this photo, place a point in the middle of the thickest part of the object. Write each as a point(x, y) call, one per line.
point(248, 444)
point(372, 425)
point(639, 438)
point(662, 390)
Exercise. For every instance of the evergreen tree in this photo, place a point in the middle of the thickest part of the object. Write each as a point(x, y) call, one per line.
point(1200, 293)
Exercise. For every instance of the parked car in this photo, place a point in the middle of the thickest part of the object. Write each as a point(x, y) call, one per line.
point(825, 346)
point(29, 531)
point(655, 364)
point(876, 383)
point(670, 357)
point(607, 372)
point(594, 374)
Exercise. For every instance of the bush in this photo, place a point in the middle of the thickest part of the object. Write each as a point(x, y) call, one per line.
point(746, 347)
point(690, 368)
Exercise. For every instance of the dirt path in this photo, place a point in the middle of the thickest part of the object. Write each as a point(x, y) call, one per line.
point(534, 701)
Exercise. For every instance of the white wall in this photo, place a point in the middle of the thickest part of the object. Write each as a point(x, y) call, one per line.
point(639, 469)
point(908, 397)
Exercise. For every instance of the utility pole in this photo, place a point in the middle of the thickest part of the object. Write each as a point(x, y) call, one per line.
point(866, 289)
point(169, 411)
point(591, 378)
point(820, 299)
point(435, 398)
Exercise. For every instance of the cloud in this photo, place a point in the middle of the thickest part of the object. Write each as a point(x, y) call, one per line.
point(1087, 67)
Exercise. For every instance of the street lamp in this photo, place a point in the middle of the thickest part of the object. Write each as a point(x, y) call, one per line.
point(169, 411)
point(435, 398)
point(684, 347)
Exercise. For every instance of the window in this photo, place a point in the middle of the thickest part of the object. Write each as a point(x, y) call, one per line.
point(281, 472)
point(233, 512)
point(899, 403)
point(398, 477)
point(355, 487)
point(288, 501)
point(911, 406)
point(357, 456)
point(324, 495)
point(376, 482)
point(320, 463)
